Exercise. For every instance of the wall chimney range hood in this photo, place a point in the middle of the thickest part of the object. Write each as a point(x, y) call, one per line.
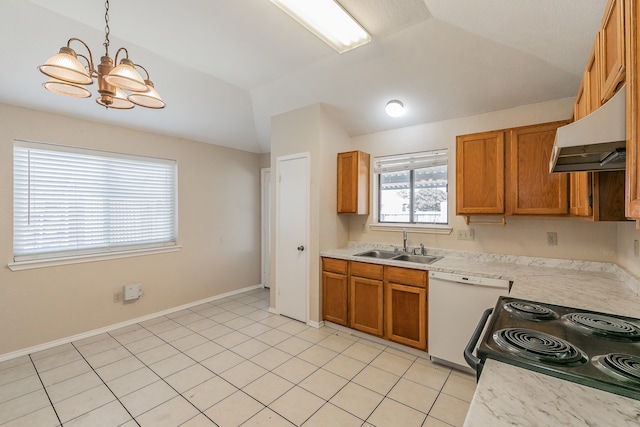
point(596, 142)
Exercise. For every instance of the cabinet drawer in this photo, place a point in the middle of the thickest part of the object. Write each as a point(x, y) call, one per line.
point(406, 276)
point(363, 269)
point(335, 265)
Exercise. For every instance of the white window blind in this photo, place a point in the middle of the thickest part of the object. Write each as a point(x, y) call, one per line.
point(74, 202)
point(411, 161)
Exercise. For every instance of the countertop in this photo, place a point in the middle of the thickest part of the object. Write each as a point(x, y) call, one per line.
point(508, 395)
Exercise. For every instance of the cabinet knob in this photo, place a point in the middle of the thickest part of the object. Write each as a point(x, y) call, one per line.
point(301, 248)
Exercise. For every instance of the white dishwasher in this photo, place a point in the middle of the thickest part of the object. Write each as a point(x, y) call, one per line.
point(456, 303)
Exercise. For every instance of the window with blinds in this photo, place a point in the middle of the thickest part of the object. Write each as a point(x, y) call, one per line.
point(412, 188)
point(70, 202)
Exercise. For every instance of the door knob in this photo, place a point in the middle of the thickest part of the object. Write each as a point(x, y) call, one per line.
point(301, 248)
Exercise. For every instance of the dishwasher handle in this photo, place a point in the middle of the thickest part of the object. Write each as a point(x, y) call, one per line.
point(472, 360)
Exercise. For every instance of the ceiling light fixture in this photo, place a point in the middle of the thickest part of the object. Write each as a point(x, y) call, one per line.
point(69, 77)
point(394, 108)
point(327, 20)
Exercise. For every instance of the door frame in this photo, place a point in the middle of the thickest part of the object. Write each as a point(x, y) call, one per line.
point(265, 227)
point(279, 159)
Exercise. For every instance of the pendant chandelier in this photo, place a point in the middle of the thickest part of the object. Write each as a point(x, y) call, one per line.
point(120, 87)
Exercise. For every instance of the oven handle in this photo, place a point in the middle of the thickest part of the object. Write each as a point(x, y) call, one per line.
point(472, 360)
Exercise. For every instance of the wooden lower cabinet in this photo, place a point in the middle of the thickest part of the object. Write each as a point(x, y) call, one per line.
point(365, 310)
point(406, 315)
point(365, 298)
point(335, 291)
point(385, 301)
point(405, 306)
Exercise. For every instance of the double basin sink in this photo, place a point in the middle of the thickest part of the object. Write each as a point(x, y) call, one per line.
point(395, 256)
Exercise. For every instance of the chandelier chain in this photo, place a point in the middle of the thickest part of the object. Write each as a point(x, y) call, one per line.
point(106, 28)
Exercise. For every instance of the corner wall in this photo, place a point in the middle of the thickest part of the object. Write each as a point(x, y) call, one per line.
point(312, 129)
point(218, 226)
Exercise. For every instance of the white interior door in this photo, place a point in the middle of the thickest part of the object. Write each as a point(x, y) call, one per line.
point(265, 178)
point(292, 231)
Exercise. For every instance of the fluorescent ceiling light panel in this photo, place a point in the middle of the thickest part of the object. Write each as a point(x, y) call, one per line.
point(327, 20)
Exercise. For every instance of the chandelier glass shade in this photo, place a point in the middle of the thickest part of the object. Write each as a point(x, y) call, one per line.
point(121, 87)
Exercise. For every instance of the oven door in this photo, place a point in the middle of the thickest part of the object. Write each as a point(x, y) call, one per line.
point(474, 361)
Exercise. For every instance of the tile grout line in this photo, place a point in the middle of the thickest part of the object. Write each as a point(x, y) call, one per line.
point(45, 390)
point(105, 384)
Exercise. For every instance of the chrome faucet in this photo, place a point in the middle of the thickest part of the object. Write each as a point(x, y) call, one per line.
point(404, 240)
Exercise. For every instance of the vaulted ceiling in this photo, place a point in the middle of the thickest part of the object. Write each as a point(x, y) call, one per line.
point(225, 67)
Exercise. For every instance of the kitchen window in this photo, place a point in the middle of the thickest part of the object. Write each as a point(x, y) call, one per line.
point(71, 203)
point(412, 188)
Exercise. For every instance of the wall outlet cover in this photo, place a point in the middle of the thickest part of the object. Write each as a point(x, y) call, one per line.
point(132, 291)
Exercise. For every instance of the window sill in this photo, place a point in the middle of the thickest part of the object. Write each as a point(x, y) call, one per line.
point(54, 262)
point(413, 228)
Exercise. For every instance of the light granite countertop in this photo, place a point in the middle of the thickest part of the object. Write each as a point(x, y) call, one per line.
point(507, 395)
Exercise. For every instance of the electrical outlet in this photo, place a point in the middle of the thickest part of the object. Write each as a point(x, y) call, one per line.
point(117, 297)
point(552, 238)
point(468, 234)
point(636, 248)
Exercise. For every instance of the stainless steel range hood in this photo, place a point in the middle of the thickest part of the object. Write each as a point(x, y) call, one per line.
point(596, 142)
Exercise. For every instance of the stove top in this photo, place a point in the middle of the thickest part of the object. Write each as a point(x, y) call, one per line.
point(594, 349)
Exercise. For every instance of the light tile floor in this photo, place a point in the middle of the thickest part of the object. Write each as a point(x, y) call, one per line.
point(229, 363)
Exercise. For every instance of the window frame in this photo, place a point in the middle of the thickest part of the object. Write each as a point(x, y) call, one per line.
point(417, 227)
point(109, 251)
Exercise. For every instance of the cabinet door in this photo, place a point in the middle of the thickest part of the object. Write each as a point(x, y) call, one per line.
point(406, 314)
point(353, 182)
point(581, 106)
point(592, 78)
point(533, 190)
point(334, 297)
point(612, 49)
point(480, 183)
point(366, 310)
point(581, 199)
point(632, 193)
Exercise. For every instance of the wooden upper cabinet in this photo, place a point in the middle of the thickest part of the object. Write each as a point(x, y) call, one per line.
point(532, 189)
point(480, 182)
point(353, 183)
point(581, 106)
point(581, 197)
point(612, 48)
point(591, 78)
point(632, 188)
point(587, 100)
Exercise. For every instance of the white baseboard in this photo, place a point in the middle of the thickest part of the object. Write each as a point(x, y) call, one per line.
point(94, 332)
point(315, 324)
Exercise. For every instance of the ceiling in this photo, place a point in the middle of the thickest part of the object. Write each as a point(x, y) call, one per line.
point(226, 67)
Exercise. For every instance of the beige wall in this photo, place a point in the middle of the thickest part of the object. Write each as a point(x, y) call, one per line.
point(627, 233)
point(219, 231)
point(577, 239)
point(313, 130)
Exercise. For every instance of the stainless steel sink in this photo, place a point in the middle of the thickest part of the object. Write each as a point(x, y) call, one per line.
point(422, 259)
point(381, 254)
point(378, 254)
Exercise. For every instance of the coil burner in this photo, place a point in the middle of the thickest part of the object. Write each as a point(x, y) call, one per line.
point(531, 311)
point(538, 346)
point(620, 366)
point(605, 326)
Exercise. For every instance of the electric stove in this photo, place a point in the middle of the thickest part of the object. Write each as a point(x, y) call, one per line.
point(594, 349)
